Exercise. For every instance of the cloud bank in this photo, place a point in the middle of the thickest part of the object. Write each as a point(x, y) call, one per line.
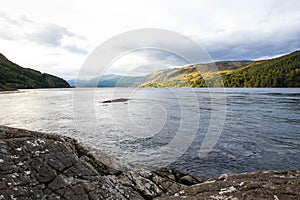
point(56, 37)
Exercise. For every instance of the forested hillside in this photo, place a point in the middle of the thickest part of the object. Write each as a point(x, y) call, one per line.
point(278, 72)
point(12, 77)
point(283, 71)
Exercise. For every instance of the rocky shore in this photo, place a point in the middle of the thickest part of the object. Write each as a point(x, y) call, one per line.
point(37, 165)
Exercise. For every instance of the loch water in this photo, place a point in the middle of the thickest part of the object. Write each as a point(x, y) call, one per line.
point(243, 129)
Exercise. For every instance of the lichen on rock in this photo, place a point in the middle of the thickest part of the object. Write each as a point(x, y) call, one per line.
point(36, 165)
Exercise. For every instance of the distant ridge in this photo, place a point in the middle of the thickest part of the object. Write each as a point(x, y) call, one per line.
point(283, 71)
point(12, 77)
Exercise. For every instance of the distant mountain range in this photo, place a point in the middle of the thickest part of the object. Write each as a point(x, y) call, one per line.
point(12, 77)
point(283, 71)
point(110, 80)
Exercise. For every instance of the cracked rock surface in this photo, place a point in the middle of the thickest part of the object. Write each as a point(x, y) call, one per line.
point(269, 185)
point(36, 165)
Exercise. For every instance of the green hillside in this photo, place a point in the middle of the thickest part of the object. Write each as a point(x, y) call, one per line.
point(191, 76)
point(278, 72)
point(12, 77)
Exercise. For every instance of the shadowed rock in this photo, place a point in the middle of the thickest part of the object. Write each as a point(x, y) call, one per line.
point(36, 165)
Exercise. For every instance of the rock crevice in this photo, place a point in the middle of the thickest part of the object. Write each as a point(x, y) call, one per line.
point(36, 165)
point(45, 166)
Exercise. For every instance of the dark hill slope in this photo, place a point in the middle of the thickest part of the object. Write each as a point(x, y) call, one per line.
point(12, 76)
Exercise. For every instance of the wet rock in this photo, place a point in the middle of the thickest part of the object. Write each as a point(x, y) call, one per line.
point(115, 100)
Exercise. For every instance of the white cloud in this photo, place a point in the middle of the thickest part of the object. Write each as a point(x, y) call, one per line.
point(57, 36)
point(32, 30)
point(144, 61)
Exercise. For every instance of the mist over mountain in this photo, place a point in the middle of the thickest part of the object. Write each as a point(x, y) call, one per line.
point(110, 80)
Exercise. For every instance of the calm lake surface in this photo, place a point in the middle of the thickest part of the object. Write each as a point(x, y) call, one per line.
point(259, 128)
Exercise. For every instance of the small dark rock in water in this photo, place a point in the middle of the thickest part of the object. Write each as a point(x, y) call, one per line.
point(36, 165)
point(115, 100)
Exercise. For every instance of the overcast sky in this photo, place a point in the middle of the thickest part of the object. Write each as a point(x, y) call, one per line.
point(57, 36)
